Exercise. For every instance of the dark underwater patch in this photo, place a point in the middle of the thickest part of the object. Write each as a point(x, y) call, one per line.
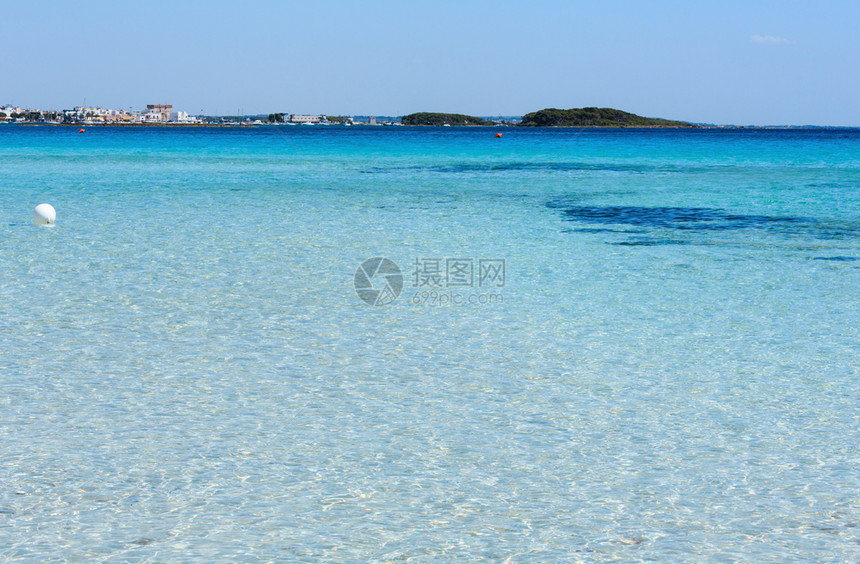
point(650, 242)
point(643, 219)
point(674, 218)
point(837, 259)
point(483, 167)
point(550, 166)
point(831, 185)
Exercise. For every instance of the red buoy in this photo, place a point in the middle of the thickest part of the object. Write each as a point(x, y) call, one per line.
point(498, 135)
point(81, 130)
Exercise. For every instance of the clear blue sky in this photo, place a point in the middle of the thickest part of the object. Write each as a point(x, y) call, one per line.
point(739, 62)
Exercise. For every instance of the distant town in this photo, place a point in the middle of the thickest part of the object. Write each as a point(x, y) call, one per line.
point(155, 114)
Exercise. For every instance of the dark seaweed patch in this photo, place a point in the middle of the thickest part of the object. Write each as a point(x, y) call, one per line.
point(650, 242)
point(525, 166)
point(675, 218)
point(644, 219)
point(483, 167)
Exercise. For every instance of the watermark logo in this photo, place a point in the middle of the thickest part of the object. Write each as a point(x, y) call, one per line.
point(458, 272)
point(436, 281)
point(378, 281)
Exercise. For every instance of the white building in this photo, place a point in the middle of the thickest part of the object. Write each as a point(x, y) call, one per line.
point(86, 114)
point(9, 110)
point(182, 117)
point(151, 117)
point(306, 119)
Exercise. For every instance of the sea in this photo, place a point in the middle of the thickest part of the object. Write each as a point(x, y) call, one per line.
point(395, 344)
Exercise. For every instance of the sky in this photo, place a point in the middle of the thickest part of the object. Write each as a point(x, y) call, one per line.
point(723, 62)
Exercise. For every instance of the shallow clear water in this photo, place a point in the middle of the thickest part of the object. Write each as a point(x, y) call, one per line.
point(668, 370)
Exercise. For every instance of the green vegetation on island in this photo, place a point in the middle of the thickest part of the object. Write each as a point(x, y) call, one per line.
point(594, 117)
point(430, 118)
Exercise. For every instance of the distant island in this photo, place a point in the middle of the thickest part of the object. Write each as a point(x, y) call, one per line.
point(594, 117)
point(431, 118)
point(550, 117)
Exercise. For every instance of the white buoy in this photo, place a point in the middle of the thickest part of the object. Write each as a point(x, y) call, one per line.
point(44, 214)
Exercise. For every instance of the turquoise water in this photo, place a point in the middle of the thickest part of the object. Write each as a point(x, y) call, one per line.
point(668, 369)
